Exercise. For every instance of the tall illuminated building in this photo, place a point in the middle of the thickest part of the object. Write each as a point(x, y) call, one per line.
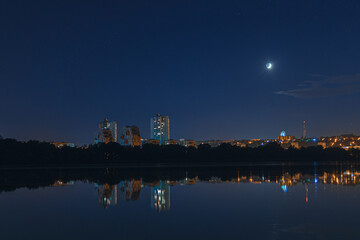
point(107, 131)
point(160, 128)
point(130, 136)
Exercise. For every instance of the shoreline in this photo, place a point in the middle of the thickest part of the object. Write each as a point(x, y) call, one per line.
point(176, 165)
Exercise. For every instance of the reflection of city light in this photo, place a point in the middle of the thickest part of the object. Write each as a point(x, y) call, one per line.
point(160, 194)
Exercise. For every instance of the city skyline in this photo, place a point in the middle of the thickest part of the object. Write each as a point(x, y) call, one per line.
point(64, 66)
point(113, 137)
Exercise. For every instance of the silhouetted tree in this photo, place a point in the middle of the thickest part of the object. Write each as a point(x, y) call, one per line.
point(13, 152)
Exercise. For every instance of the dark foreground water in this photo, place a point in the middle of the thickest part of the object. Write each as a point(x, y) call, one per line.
point(278, 202)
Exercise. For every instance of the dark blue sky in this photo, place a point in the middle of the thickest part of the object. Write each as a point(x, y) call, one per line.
point(65, 65)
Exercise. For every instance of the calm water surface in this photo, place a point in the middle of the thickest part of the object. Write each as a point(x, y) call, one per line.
point(309, 202)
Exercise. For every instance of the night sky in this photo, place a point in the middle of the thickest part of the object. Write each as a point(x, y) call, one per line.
point(66, 65)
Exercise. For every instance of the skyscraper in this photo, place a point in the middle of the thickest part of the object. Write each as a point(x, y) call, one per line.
point(130, 136)
point(107, 131)
point(160, 128)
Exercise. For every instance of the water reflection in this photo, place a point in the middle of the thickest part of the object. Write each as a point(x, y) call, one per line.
point(107, 195)
point(273, 202)
point(130, 190)
point(160, 196)
point(160, 189)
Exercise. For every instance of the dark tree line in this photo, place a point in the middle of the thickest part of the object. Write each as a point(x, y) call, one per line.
point(13, 152)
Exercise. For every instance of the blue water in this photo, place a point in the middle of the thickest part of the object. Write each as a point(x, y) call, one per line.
point(285, 206)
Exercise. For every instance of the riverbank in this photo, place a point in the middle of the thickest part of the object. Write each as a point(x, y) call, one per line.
point(176, 165)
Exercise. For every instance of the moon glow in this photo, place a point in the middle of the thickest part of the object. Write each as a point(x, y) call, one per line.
point(269, 65)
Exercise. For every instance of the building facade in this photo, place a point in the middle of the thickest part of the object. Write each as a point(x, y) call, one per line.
point(107, 132)
point(130, 136)
point(160, 128)
point(187, 143)
point(63, 144)
point(285, 138)
point(171, 142)
point(152, 141)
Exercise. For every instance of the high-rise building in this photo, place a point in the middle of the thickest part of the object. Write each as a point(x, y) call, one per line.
point(107, 132)
point(160, 128)
point(130, 136)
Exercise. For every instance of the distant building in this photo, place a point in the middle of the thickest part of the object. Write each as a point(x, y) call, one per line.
point(296, 145)
point(239, 144)
point(285, 138)
point(160, 128)
point(130, 136)
point(63, 144)
point(171, 142)
point(323, 144)
point(348, 136)
point(187, 143)
point(346, 141)
point(152, 141)
point(212, 143)
point(304, 144)
point(107, 132)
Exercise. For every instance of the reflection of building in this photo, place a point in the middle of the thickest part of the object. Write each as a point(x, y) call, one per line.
point(130, 136)
point(107, 195)
point(129, 190)
point(160, 128)
point(188, 181)
point(107, 132)
point(348, 177)
point(160, 196)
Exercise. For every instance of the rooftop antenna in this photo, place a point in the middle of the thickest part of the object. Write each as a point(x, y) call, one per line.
point(304, 133)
